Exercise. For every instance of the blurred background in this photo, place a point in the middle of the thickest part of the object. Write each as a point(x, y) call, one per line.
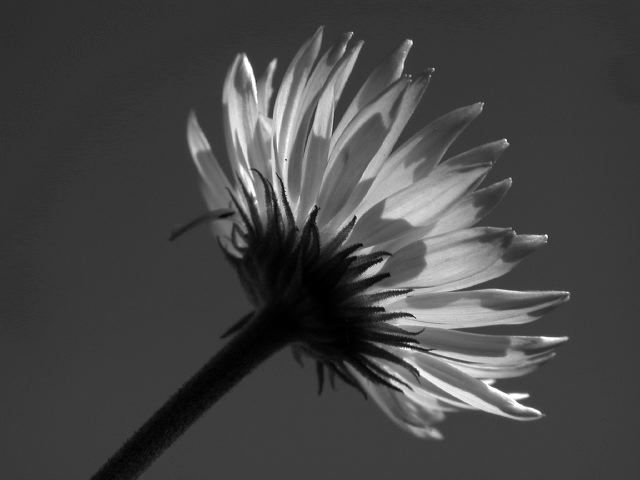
point(101, 318)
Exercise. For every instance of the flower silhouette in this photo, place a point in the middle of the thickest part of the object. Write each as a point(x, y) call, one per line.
point(363, 251)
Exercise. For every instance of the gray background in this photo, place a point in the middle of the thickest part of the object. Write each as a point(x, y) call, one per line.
point(101, 318)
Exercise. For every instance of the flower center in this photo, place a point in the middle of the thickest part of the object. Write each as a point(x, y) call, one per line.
point(320, 292)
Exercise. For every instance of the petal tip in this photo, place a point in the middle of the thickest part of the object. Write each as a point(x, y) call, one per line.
point(547, 343)
point(522, 245)
point(529, 413)
point(244, 65)
point(236, 61)
point(192, 119)
point(532, 242)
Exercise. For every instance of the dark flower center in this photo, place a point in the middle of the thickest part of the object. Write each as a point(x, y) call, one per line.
point(321, 293)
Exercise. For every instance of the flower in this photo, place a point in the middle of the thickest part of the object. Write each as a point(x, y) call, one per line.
point(365, 249)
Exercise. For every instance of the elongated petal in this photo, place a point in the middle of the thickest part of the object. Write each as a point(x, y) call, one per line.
point(316, 153)
point(472, 346)
point(520, 247)
point(240, 103)
point(416, 158)
point(265, 88)
point(410, 100)
point(489, 356)
point(484, 371)
point(471, 390)
point(285, 111)
point(424, 203)
point(500, 368)
point(435, 263)
point(423, 391)
point(459, 259)
point(473, 208)
point(322, 71)
point(384, 75)
point(323, 74)
point(479, 308)
point(264, 149)
point(356, 147)
point(415, 417)
point(214, 179)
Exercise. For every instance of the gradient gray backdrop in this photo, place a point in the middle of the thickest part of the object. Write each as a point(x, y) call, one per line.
point(101, 318)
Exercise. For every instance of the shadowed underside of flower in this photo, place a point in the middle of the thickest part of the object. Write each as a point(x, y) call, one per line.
point(366, 249)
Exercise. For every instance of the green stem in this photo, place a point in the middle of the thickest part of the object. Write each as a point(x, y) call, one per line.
point(254, 343)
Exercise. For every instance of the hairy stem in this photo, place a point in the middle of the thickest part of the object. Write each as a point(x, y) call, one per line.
point(254, 343)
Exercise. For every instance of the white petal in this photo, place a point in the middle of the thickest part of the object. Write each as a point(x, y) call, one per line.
point(264, 149)
point(519, 248)
point(265, 87)
point(489, 356)
point(487, 348)
point(356, 147)
point(502, 370)
point(290, 94)
point(325, 72)
point(322, 71)
point(470, 390)
point(316, 153)
point(436, 262)
point(240, 104)
point(422, 390)
point(478, 308)
point(424, 203)
point(471, 209)
point(417, 418)
point(416, 158)
point(458, 259)
point(345, 72)
point(410, 100)
point(215, 181)
point(384, 75)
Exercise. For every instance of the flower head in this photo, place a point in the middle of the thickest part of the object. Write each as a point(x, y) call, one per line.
point(365, 249)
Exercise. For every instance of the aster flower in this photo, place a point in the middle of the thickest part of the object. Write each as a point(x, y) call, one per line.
point(366, 245)
point(361, 253)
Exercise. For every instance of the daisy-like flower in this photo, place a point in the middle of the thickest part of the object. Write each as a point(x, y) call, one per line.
point(356, 251)
point(364, 250)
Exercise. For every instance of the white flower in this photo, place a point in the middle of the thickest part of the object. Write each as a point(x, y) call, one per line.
point(364, 247)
